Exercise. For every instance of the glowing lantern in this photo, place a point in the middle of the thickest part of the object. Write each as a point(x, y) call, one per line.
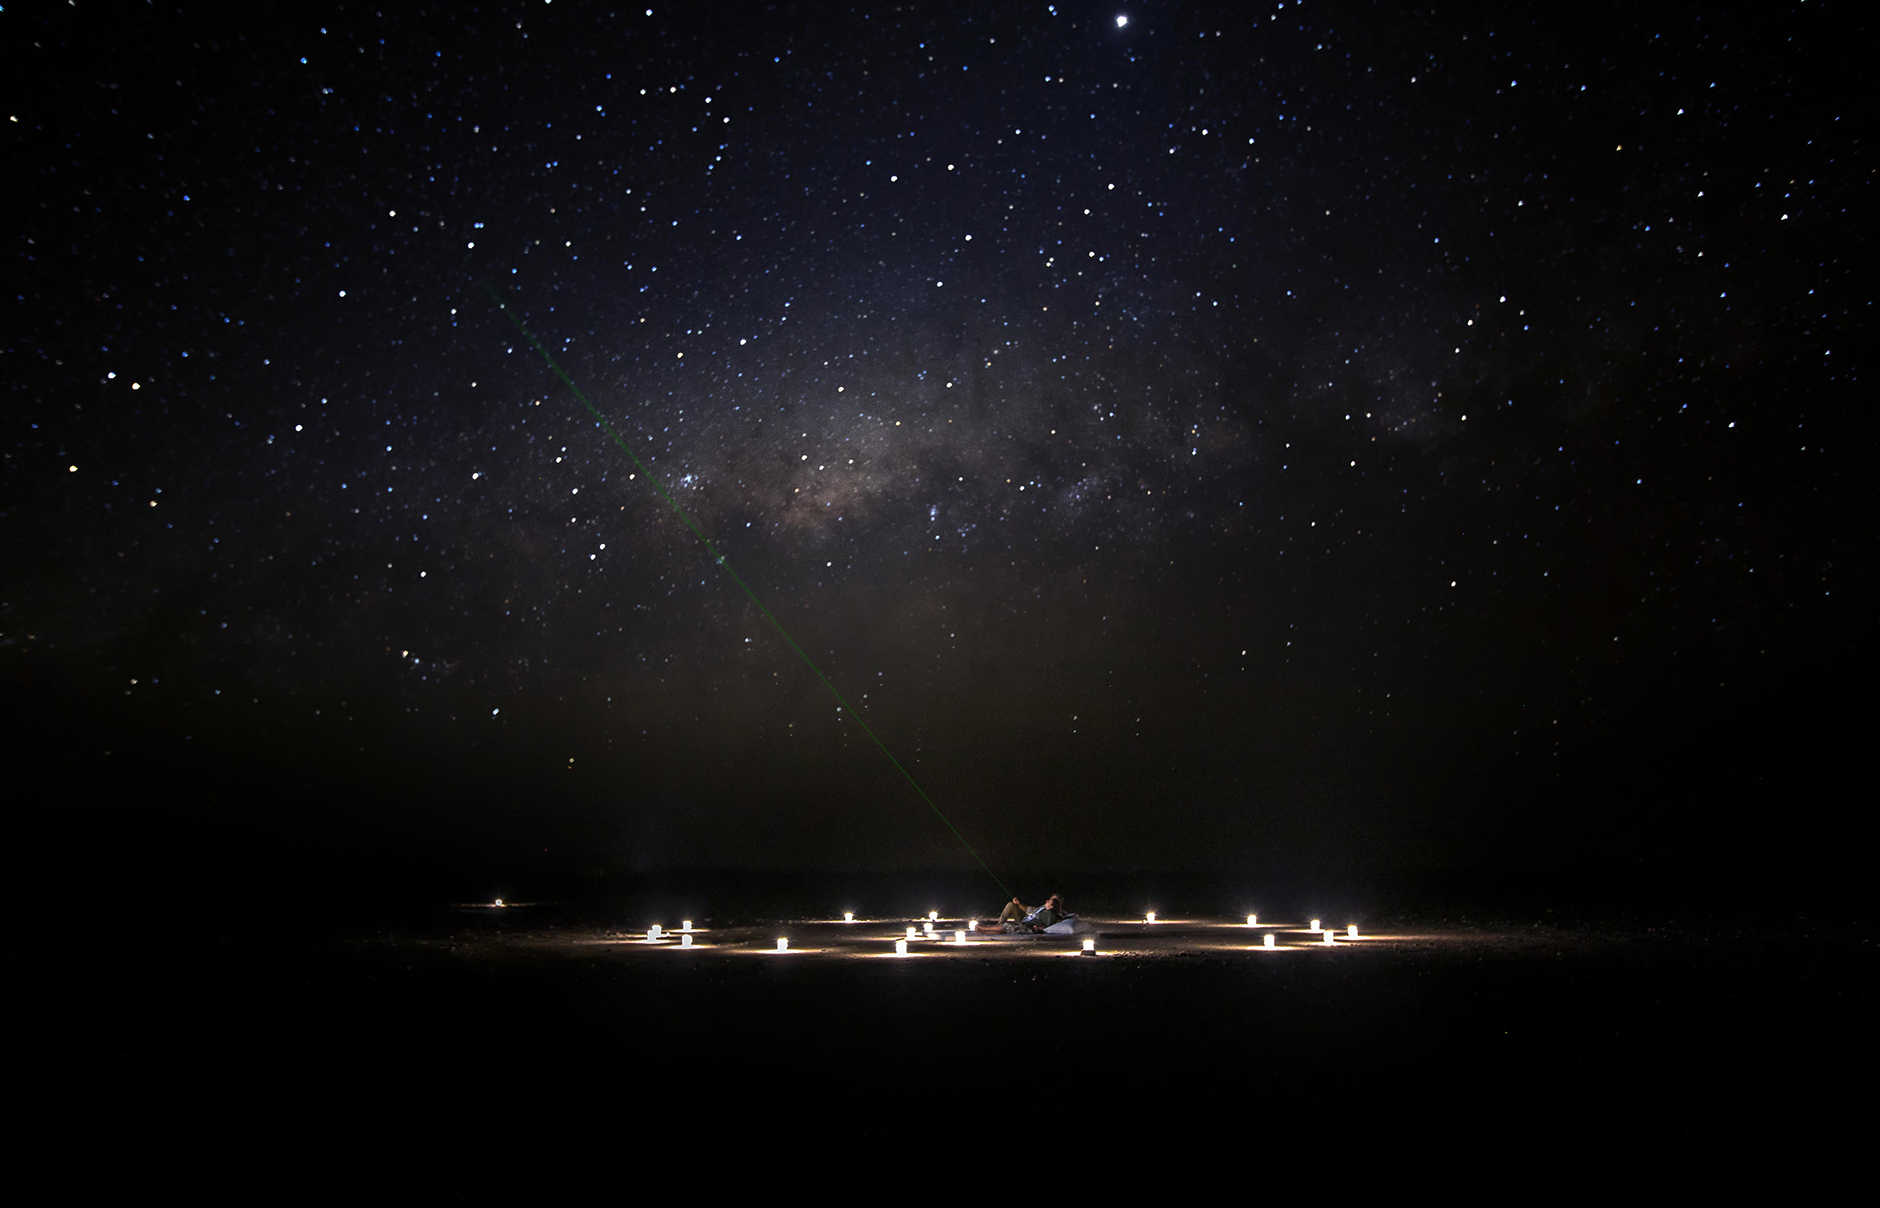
point(959, 937)
point(499, 901)
point(1331, 937)
point(933, 916)
point(1253, 920)
point(1152, 916)
point(928, 927)
point(1315, 925)
point(848, 916)
point(685, 941)
point(1351, 932)
point(910, 933)
point(1269, 939)
point(652, 933)
point(686, 926)
point(972, 924)
point(1090, 947)
point(783, 944)
point(900, 946)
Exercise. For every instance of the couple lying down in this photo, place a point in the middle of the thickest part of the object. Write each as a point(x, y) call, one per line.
point(1048, 919)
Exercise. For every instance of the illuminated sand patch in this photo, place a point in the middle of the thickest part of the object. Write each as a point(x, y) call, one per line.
point(835, 939)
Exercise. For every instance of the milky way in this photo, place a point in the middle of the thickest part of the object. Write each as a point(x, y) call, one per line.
point(1227, 434)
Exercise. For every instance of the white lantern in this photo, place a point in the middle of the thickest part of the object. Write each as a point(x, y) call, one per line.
point(1090, 946)
point(685, 941)
point(686, 926)
point(1152, 916)
point(1253, 920)
point(848, 916)
point(783, 944)
point(972, 924)
point(933, 916)
point(928, 927)
point(1269, 939)
point(1331, 937)
point(652, 933)
point(910, 933)
point(1315, 925)
point(959, 937)
point(900, 946)
point(1351, 932)
point(499, 901)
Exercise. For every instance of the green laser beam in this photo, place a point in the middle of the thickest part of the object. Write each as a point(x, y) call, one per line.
point(737, 578)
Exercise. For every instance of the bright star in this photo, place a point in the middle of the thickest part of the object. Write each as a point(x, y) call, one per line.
point(1121, 22)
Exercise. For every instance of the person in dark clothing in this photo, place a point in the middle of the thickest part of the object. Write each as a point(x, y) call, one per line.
point(1051, 912)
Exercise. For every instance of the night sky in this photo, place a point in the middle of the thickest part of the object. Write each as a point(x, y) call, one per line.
point(1192, 436)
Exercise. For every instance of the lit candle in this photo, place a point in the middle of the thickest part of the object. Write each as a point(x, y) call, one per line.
point(959, 937)
point(972, 924)
point(910, 933)
point(1152, 916)
point(1269, 939)
point(499, 901)
point(686, 926)
point(928, 927)
point(1315, 925)
point(1090, 946)
point(1253, 920)
point(652, 933)
point(1331, 937)
point(848, 916)
point(900, 946)
point(783, 944)
point(1352, 931)
point(933, 916)
point(685, 941)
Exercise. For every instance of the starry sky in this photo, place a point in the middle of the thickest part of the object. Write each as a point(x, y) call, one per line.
point(1187, 435)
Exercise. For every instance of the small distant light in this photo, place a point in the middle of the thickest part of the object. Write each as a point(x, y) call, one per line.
point(848, 916)
point(1331, 937)
point(1151, 916)
point(927, 927)
point(685, 941)
point(959, 937)
point(1269, 939)
point(686, 926)
point(972, 924)
point(1253, 920)
point(934, 915)
point(900, 946)
point(1315, 925)
point(499, 901)
point(1351, 932)
point(652, 933)
point(910, 933)
point(783, 944)
point(1121, 22)
point(1090, 947)
point(71, 469)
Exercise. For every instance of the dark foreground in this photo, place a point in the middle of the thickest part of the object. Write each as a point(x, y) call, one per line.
point(259, 1034)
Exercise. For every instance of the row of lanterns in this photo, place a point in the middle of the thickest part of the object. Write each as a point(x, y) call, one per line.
point(655, 932)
